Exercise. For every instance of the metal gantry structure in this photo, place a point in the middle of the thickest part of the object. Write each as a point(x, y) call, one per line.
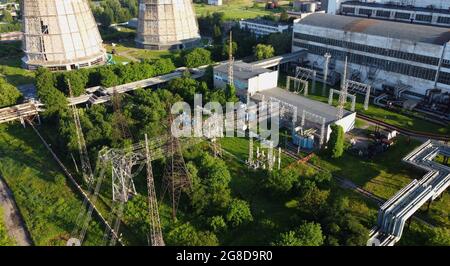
point(315, 118)
point(350, 96)
point(362, 88)
point(306, 74)
point(299, 85)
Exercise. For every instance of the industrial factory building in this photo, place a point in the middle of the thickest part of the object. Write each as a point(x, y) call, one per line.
point(60, 35)
point(416, 11)
point(167, 25)
point(428, 15)
point(408, 59)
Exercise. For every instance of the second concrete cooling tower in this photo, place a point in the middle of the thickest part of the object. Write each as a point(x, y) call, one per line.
point(60, 35)
point(167, 24)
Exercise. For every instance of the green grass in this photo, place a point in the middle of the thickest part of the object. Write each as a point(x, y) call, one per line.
point(274, 215)
point(45, 199)
point(127, 52)
point(11, 69)
point(234, 11)
point(385, 175)
point(407, 121)
point(5, 240)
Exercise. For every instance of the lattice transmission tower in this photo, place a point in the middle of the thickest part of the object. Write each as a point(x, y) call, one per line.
point(86, 168)
point(176, 177)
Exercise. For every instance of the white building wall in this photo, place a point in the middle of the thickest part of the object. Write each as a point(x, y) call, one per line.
point(264, 81)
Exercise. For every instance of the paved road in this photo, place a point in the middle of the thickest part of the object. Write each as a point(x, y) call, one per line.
point(12, 218)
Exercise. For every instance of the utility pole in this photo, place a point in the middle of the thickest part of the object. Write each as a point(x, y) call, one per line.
point(230, 60)
point(343, 94)
point(327, 57)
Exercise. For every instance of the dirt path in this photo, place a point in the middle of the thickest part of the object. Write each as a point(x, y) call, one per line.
point(12, 218)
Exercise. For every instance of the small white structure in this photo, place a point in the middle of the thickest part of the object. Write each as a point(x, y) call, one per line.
point(215, 2)
point(262, 26)
point(247, 78)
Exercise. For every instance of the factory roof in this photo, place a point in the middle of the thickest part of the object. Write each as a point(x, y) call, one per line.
point(389, 29)
point(241, 70)
point(399, 7)
point(302, 103)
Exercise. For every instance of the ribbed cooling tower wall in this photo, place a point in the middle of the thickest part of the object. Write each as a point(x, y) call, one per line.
point(60, 35)
point(166, 24)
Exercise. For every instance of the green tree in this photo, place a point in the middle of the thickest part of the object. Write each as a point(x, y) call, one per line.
point(107, 77)
point(284, 17)
point(336, 142)
point(9, 95)
point(217, 224)
point(439, 237)
point(78, 81)
point(281, 42)
point(239, 213)
point(197, 57)
point(288, 239)
point(54, 100)
point(217, 34)
point(6, 16)
point(307, 234)
point(226, 49)
point(263, 51)
point(230, 93)
point(187, 235)
point(310, 234)
point(281, 181)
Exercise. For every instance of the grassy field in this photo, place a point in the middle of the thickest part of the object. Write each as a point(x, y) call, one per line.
point(246, 184)
point(394, 118)
point(127, 52)
point(11, 69)
point(385, 175)
point(235, 10)
point(45, 199)
point(5, 240)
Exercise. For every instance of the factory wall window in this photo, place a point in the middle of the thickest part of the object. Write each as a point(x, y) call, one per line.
point(402, 15)
point(383, 13)
point(444, 20)
point(386, 65)
point(369, 49)
point(426, 18)
point(348, 10)
point(365, 11)
point(444, 78)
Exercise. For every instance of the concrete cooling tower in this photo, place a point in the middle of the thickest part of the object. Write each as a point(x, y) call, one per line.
point(60, 35)
point(167, 25)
